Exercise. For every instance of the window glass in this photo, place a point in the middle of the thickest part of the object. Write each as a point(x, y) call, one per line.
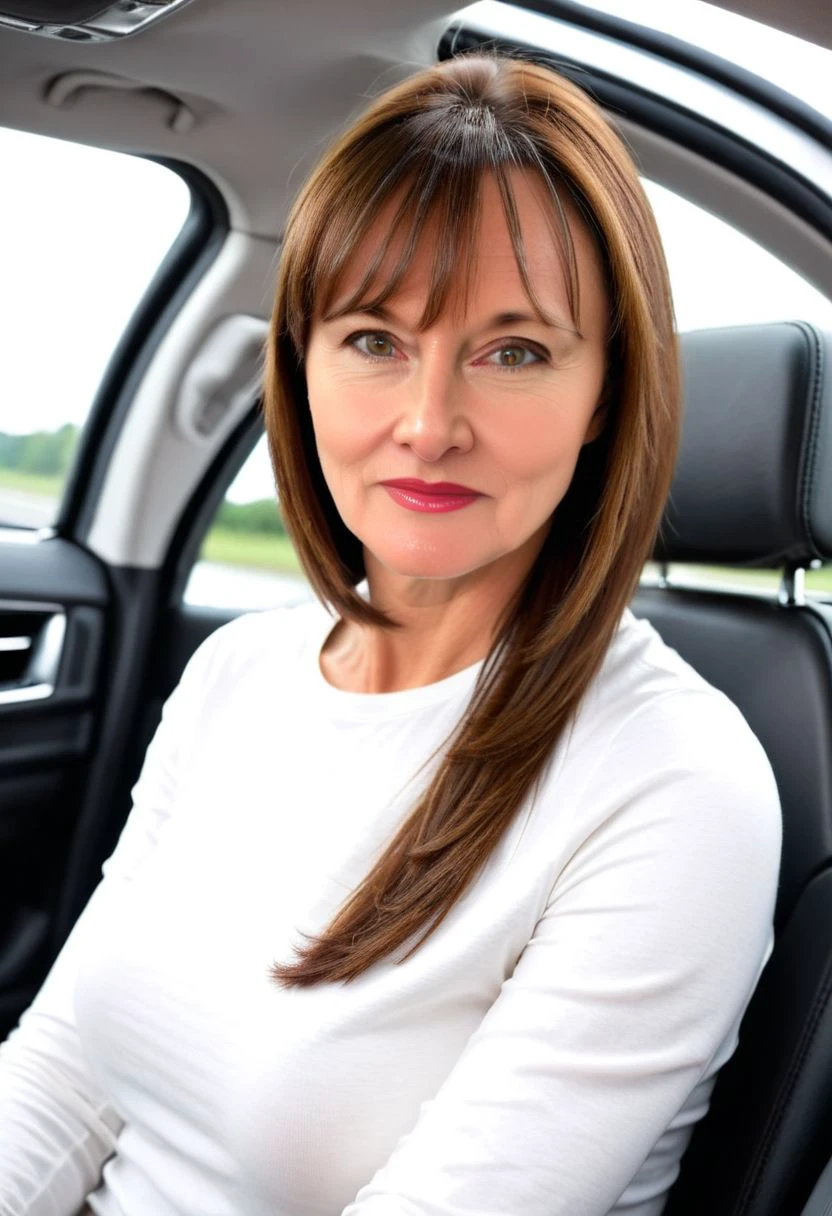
point(818, 581)
point(720, 276)
point(247, 560)
point(82, 232)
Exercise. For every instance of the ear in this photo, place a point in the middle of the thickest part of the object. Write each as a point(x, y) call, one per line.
point(599, 418)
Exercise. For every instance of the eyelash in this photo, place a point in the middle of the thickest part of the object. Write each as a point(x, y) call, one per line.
point(540, 354)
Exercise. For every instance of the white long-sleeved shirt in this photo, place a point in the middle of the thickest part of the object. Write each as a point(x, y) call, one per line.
point(545, 1053)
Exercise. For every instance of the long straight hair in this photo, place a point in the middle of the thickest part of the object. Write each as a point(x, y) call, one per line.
point(424, 147)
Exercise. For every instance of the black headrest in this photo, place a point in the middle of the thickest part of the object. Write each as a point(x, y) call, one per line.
point(753, 483)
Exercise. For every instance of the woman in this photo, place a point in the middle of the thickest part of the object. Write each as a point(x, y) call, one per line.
point(430, 904)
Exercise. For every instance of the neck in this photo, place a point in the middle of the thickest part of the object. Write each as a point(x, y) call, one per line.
point(444, 625)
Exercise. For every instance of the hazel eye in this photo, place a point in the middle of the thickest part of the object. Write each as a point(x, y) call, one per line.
point(513, 356)
point(376, 346)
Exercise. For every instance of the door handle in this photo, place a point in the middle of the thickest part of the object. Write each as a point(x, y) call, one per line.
point(12, 644)
point(40, 673)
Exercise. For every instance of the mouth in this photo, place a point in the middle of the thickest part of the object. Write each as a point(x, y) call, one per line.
point(430, 496)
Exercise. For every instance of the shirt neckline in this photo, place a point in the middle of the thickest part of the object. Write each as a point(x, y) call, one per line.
point(368, 705)
point(384, 705)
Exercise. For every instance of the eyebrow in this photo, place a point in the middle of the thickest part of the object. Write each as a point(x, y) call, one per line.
point(498, 321)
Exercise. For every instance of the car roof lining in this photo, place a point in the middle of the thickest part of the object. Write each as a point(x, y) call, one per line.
point(298, 73)
point(802, 18)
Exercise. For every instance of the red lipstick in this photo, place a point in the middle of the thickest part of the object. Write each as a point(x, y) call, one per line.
point(432, 496)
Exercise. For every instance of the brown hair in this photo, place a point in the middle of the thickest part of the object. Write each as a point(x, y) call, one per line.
point(424, 146)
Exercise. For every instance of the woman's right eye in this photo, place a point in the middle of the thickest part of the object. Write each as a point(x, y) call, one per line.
point(373, 345)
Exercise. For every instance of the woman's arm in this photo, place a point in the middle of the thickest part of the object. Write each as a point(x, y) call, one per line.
point(647, 952)
point(57, 1128)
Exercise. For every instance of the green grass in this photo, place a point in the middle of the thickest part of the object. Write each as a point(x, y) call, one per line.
point(819, 580)
point(32, 483)
point(257, 550)
point(765, 580)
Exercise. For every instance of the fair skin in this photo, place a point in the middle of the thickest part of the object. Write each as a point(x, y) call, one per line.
point(490, 398)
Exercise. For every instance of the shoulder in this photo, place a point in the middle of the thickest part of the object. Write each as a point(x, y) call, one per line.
point(645, 692)
point(665, 801)
point(657, 738)
point(254, 644)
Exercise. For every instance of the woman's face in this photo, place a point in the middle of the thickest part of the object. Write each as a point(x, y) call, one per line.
point(447, 450)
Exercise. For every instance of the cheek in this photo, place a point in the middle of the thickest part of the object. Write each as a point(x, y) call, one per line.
point(540, 441)
point(347, 426)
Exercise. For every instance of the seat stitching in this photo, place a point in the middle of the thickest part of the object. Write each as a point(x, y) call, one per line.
point(807, 1039)
point(762, 1155)
point(809, 457)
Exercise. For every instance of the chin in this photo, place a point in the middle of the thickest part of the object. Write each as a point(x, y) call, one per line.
point(441, 561)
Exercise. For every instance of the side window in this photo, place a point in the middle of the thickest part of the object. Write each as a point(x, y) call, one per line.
point(73, 272)
point(720, 276)
point(247, 561)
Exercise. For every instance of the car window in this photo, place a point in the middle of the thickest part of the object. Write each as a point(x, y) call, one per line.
point(82, 232)
point(247, 561)
point(719, 277)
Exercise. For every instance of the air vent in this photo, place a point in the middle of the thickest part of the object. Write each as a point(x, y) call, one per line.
point(84, 20)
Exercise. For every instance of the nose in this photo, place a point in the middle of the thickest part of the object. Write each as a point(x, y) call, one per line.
point(433, 420)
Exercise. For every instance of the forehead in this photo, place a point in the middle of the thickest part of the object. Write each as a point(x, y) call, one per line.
point(490, 280)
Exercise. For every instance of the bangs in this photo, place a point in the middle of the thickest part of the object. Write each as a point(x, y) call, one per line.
point(436, 200)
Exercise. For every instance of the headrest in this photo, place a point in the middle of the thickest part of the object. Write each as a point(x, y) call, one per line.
point(753, 482)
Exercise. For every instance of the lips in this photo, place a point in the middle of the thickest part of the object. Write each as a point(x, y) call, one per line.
point(430, 496)
point(430, 487)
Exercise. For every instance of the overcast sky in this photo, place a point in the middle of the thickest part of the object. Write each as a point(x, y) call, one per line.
point(83, 230)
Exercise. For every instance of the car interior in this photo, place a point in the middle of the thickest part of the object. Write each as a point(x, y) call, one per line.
point(95, 623)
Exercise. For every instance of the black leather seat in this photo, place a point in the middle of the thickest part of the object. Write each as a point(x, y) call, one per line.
point(753, 486)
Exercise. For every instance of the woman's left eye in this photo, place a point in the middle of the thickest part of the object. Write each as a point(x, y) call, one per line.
point(513, 355)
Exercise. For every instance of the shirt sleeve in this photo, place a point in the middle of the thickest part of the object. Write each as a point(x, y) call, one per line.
point(56, 1126)
point(649, 947)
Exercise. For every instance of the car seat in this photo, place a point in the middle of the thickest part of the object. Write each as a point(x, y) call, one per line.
point(753, 487)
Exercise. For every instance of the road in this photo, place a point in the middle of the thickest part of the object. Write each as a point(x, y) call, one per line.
point(215, 586)
point(27, 510)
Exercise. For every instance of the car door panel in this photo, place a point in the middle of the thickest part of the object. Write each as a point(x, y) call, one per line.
point(53, 600)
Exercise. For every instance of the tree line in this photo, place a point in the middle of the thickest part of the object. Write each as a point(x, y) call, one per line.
point(49, 454)
point(262, 516)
